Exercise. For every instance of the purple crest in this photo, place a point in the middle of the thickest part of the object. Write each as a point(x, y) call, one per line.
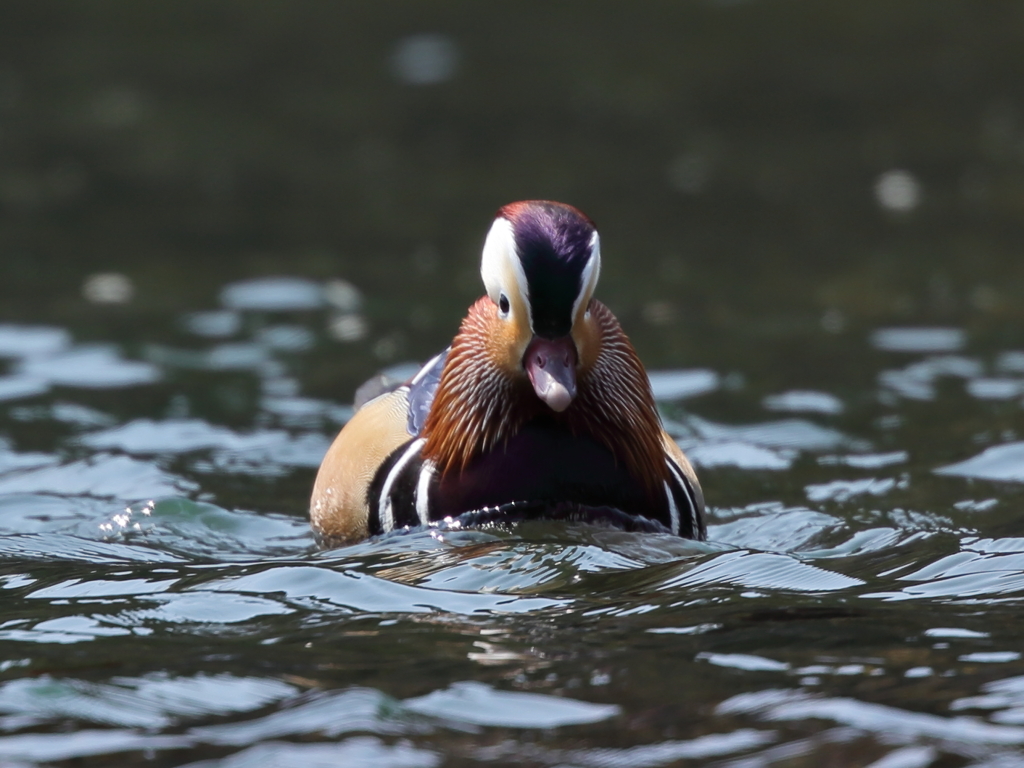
point(554, 245)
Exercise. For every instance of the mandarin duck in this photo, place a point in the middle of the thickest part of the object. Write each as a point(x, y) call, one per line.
point(539, 408)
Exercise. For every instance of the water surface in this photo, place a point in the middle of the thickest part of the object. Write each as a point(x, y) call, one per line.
point(218, 220)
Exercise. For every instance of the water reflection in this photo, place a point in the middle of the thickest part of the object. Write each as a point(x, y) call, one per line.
point(1000, 462)
point(917, 381)
point(898, 190)
point(89, 365)
point(479, 704)
point(102, 475)
point(804, 401)
point(273, 294)
point(919, 339)
point(771, 445)
point(425, 59)
point(108, 288)
point(28, 341)
point(782, 705)
point(213, 323)
point(678, 385)
point(664, 753)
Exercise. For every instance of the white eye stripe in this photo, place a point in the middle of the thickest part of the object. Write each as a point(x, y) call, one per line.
point(500, 267)
point(591, 272)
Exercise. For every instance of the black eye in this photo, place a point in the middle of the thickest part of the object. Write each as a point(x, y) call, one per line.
point(503, 306)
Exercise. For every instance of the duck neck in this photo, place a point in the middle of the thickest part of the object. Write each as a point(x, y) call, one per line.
point(479, 406)
point(615, 405)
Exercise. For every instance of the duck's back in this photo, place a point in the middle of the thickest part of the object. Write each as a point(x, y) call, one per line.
point(338, 508)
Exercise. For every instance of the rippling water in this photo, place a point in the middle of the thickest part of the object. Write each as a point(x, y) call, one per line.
point(218, 218)
point(858, 600)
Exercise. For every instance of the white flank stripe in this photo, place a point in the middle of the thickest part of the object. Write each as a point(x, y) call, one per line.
point(387, 514)
point(686, 492)
point(673, 510)
point(423, 492)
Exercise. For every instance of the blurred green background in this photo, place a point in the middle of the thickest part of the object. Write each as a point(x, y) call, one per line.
point(797, 172)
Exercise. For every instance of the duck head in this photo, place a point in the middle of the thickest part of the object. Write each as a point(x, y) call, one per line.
point(540, 265)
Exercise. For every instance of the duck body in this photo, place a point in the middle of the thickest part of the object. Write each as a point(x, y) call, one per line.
point(539, 408)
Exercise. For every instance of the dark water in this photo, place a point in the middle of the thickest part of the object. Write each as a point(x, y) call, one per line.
point(217, 219)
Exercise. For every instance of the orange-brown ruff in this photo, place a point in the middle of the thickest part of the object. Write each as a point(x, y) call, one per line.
point(481, 403)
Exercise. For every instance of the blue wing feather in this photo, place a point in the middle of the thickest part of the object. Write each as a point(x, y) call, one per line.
point(422, 389)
